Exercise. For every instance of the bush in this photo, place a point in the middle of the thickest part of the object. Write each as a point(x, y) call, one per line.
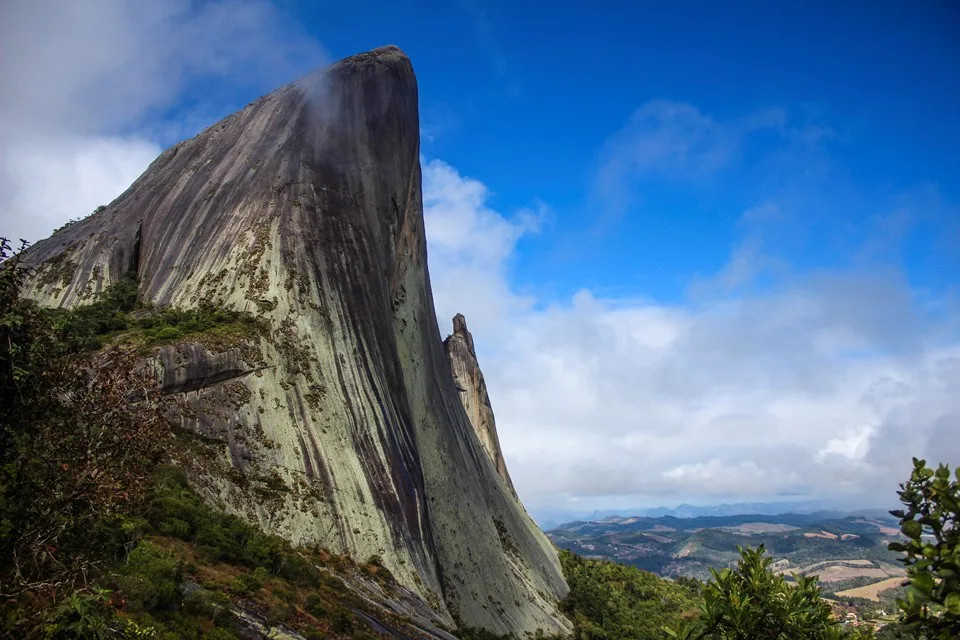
point(152, 577)
point(752, 602)
point(609, 600)
point(932, 551)
point(83, 616)
point(250, 581)
point(206, 604)
point(315, 606)
point(341, 621)
point(74, 453)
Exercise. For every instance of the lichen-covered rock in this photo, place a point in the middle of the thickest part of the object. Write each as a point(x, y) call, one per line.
point(339, 424)
point(473, 393)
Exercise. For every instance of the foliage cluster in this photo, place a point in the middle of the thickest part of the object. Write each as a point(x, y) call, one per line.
point(180, 571)
point(931, 550)
point(752, 602)
point(75, 453)
point(619, 602)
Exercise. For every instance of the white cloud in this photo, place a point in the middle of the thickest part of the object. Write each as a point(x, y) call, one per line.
point(823, 386)
point(472, 244)
point(87, 85)
point(48, 181)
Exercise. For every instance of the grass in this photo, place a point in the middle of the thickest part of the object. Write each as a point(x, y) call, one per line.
point(872, 591)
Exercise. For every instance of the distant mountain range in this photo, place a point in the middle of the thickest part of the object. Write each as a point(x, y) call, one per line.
point(553, 518)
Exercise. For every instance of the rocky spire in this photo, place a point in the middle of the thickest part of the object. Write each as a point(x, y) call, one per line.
point(473, 393)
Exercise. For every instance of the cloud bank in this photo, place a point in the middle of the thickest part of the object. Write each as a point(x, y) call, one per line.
point(820, 385)
point(88, 88)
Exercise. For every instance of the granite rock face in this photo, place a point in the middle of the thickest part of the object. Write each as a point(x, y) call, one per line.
point(305, 209)
point(473, 393)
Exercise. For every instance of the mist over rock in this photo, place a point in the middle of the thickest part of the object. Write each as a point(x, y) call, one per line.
point(473, 393)
point(338, 424)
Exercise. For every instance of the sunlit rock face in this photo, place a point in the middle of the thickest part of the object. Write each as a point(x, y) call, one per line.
point(473, 393)
point(339, 423)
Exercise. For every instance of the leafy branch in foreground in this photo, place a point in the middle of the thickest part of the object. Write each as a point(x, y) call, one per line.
point(932, 553)
point(753, 603)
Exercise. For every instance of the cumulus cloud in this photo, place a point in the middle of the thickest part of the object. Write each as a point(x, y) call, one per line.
point(821, 386)
point(87, 86)
point(471, 246)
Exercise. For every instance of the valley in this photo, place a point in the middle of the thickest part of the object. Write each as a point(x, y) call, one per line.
point(847, 552)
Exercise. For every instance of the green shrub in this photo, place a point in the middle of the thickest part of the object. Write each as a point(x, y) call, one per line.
point(206, 604)
point(83, 616)
point(250, 581)
point(151, 579)
point(931, 551)
point(752, 602)
point(165, 333)
point(341, 621)
point(615, 601)
point(315, 606)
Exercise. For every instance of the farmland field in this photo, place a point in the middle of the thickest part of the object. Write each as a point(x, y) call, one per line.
point(872, 591)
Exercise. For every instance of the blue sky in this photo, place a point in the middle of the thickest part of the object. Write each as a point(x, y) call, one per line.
point(708, 255)
point(525, 98)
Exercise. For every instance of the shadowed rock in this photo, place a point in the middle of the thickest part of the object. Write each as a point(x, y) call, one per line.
point(305, 208)
point(473, 393)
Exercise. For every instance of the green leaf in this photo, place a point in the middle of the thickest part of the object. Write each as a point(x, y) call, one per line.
point(912, 529)
point(923, 582)
point(952, 603)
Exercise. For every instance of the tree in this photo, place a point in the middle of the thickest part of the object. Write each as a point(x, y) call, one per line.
point(753, 603)
point(610, 601)
point(931, 553)
point(75, 447)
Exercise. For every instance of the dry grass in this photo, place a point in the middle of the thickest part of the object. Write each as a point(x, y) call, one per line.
point(749, 528)
point(822, 534)
point(872, 591)
point(836, 573)
point(884, 529)
point(837, 570)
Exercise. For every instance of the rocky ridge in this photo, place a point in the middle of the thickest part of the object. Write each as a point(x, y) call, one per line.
point(473, 393)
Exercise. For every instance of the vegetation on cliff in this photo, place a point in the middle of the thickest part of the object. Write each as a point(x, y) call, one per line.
point(75, 453)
